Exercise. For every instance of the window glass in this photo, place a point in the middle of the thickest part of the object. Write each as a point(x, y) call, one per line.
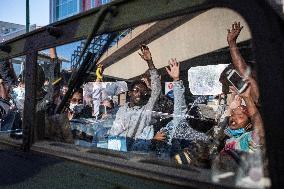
point(12, 96)
point(180, 92)
point(105, 1)
point(66, 8)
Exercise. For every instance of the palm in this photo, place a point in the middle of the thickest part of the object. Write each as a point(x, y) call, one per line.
point(234, 32)
point(146, 54)
point(173, 69)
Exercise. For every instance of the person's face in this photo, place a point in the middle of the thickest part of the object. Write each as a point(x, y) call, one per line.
point(21, 84)
point(139, 94)
point(106, 103)
point(46, 82)
point(105, 108)
point(238, 119)
point(77, 98)
point(64, 90)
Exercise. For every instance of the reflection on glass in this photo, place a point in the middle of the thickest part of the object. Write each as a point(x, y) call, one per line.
point(170, 101)
point(11, 98)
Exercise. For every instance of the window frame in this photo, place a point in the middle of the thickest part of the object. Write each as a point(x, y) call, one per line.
point(267, 48)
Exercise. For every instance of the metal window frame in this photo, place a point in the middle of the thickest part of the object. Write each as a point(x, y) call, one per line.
point(267, 29)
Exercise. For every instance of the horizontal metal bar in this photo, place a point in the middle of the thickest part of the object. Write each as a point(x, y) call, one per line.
point(77, 27)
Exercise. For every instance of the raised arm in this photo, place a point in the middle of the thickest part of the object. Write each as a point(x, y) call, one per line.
point(146, 55)
point(3, 90)
point(238, 61)
point(258, 132)
point(155, 78)
point(180, 107)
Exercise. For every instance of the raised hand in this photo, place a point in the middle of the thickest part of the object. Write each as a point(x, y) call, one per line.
point(160, 136)
point(173, 69)
point(234, 32)
point(145, 53)
point(236, 102)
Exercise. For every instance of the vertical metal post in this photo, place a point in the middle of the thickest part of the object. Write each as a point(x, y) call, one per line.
point(27, 15)
point(29, 119)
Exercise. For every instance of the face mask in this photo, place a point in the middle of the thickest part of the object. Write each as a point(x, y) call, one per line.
point(235, 132)
point(72, 106)
point(76, 108)
point(102, 109)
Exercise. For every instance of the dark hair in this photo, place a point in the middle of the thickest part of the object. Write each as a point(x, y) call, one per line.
point(137, 82)
point(78, 90)
point(111, 103)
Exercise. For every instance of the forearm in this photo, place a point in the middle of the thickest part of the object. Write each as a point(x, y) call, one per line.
point(150, 64)
point(255, 119)
point(3, 91)
point(180, 107)
point(156, 88)
point(237, 59)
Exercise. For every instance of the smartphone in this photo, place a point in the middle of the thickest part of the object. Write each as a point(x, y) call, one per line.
point(237, 81)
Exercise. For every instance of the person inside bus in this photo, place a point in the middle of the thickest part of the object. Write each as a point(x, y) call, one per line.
point(238, 61)
point(244, 136)
point(241, 120)
point(105, 109)
point(229, 93)
point(76, 107)
point(133, 120)
point(180, 134)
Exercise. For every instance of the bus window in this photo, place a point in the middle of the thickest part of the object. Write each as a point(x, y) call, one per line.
point(12, 95)
point(181, 91)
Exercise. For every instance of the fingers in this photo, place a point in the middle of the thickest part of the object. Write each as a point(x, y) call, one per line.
point(168, 70)
point(177, 63)
point(143, 47)
point(173, 62)
point(238, 99)
point(239, 25)
point(141, 55)
point(233, 89)
point(236, 26)
point(160, 136)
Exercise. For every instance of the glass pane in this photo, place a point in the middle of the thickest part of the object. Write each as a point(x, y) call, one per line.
point(188, 97)
point(12, 96)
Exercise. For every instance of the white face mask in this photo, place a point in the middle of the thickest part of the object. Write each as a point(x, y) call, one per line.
point(77, 108)
point(72, 106)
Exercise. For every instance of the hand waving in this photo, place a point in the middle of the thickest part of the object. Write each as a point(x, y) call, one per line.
point(145, 53)
point(234, 32)
point(173, 69)
point(160, 136)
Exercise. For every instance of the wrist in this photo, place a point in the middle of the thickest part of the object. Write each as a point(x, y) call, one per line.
point(232, 43)
point(176, 79)
point(149, 61)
